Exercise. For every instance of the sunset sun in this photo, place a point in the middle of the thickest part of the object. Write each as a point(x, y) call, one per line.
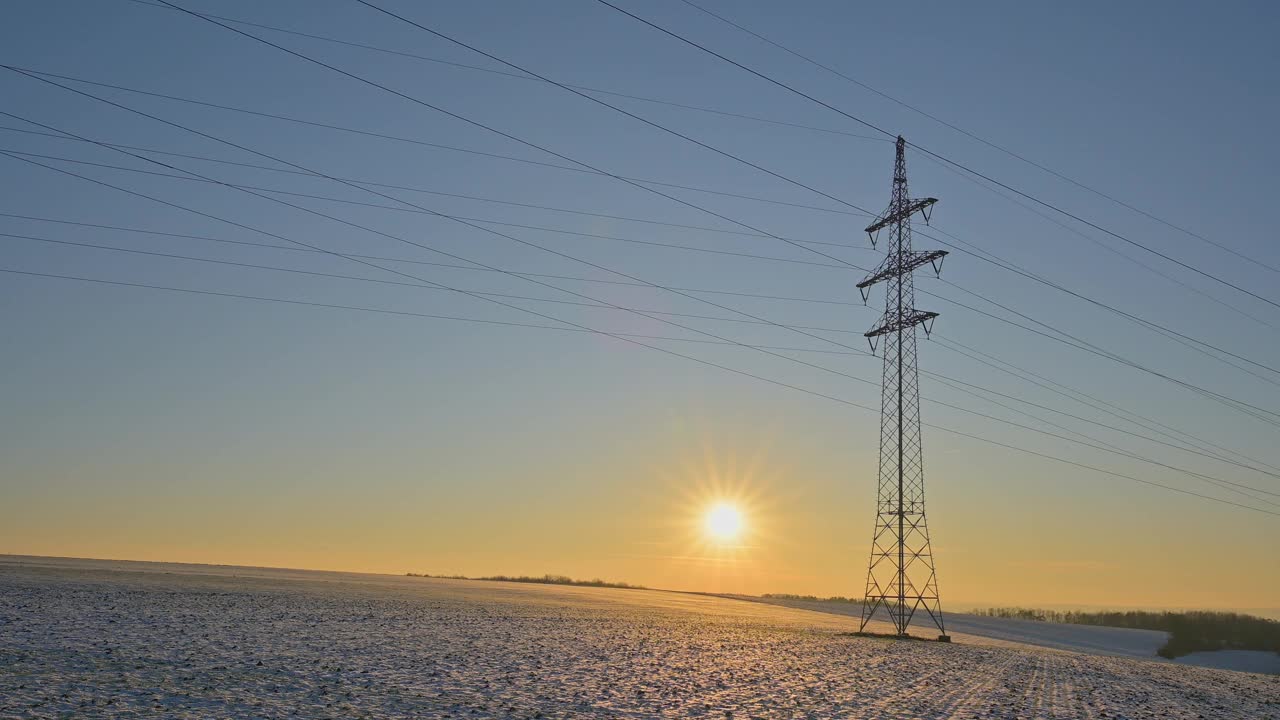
point(723, 522)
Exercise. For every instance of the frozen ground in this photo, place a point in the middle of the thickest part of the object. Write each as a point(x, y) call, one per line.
point(84, 639)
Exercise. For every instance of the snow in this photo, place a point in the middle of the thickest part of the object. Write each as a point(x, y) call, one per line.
point(88, 639)
point(1121, 642)
point(1240, 660)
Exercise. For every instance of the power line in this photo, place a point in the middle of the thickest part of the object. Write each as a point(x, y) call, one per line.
point(532, 162)
point(480, 125)
point(653, 347)
point(831, 131)
point(1103, 425)
point(291, 240)
point(488, 128)
point(424, 143)
point(1151, 324)
point(473, 294)
point(669, 245)
point(982, 140)
point(1114, 251)
point(1073, 341)
point(1099, 444)
point(508, 296)
point(542, 78)
point(487, 221)
point(491, 71)
point(596, 305)
point(721, 112)
point(1094, 402)
point(977, 252)
point(363, 262)
point(357, 226)
point(505, 304)
point(410, 188)
point(577, 278)
point(470, 224)
point(1094, 350)
point(483, 126)
point(470, 151)
point(603, 306)
point(44, 79)
point(1090, 441)
point(241, 147)
point(615, 108)
point(386, 311)
point(442, 215)
point(1191, 343)
point(517, 307)
point(947, 160)
point(658, 126)
point(704, 317)
point(508, 158)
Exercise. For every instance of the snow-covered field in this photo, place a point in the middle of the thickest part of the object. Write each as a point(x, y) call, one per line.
point(94, 639)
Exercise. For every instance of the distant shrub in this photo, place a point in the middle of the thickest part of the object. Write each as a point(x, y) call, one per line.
point(1019, 613)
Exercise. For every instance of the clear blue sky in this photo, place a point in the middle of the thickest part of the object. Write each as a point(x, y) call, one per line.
point(140, 423)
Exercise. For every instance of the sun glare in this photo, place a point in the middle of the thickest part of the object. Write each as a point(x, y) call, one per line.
point(723, 522)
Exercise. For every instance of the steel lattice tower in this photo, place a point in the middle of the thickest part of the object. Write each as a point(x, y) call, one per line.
point(901, 576)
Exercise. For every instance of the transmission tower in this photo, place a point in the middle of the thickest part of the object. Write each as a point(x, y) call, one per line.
point(900, 576)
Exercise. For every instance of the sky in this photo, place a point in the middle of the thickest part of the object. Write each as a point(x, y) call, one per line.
point(154, 424)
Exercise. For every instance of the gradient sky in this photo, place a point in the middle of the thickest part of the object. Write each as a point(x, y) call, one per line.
point(154, 425)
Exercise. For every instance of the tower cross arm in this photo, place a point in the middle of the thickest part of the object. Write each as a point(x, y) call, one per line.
point(910, 318)
point(899, 214)
point(893, 266)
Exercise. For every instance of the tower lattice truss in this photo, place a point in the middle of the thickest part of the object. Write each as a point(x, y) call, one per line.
point(901, 578)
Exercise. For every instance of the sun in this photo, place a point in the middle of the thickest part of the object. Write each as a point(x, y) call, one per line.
point(723, 522)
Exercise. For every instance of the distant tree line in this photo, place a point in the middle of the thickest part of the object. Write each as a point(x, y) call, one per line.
point(537, 579)
point(811, 598)
point(1188, 631)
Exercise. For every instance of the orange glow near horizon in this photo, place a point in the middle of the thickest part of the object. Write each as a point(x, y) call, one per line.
point(802, 527)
